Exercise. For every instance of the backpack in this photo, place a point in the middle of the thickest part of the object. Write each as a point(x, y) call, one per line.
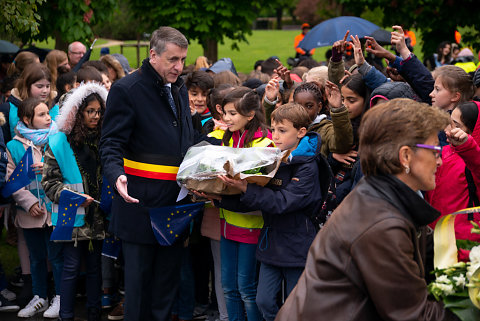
point(329, 199)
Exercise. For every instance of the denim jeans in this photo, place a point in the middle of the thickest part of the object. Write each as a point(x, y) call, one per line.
point(40, 248)
point(185, 301)
point(239, 270)
point(269, 284)
point(73, 256)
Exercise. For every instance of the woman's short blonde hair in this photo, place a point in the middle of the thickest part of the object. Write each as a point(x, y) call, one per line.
point(391, 125)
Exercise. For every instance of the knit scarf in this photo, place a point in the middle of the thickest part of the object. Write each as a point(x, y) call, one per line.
point(38, 136)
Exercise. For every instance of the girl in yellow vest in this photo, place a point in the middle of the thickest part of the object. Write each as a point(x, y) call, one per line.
point(246, 127)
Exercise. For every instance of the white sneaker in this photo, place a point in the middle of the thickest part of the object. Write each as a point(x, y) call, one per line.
point(54, 309)
point(9, 295)
point(33, 307)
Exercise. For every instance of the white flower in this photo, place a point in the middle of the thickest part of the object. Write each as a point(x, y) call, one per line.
point(459, 280)
point(447, 289)
point(471, 269)
point(475, 255)
point(443, 279)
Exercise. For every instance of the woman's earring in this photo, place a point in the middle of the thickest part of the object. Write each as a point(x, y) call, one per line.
point(407, 170)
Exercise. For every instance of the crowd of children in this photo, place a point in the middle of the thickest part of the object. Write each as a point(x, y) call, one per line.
point(252, 247)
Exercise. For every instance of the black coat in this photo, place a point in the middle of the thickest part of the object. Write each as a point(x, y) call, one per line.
point(140, 125)
point(5, 109)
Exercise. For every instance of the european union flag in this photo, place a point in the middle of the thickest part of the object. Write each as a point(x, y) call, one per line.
point(111, 247)
point(106, 197)
point(21, 176)
point(67, 210)
point(169, 222)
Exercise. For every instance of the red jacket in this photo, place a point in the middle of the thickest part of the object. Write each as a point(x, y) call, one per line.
point(451, 190)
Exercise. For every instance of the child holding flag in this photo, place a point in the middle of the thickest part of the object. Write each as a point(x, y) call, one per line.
point(32, 208)
point(72, 168)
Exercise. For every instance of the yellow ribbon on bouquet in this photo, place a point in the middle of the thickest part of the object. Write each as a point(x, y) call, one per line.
point(445, 247)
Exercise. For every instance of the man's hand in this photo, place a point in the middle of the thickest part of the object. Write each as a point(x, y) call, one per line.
point(122, 189)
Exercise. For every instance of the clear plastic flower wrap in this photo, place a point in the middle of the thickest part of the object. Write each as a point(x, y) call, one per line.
point(203, 163)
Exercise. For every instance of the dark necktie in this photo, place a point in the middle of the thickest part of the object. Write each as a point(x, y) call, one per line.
point(170, 100)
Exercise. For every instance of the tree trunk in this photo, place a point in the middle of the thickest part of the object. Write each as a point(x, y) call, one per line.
point(279, 12)
point(60, 44)
point(210, 49)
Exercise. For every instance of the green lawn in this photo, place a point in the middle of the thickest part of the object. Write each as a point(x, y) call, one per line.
point(261, 45)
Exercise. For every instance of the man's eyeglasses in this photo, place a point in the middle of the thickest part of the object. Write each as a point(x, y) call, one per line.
point(437, 150)
point(78, 53)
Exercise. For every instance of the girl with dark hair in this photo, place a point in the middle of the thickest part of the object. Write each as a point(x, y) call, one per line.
point(355, 97)
point(458, 178)
point(33, 209)
point(245, 119)
point(72, 162)
point(335, 131)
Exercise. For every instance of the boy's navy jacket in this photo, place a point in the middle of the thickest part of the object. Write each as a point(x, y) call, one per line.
point(140, 125)
point(285, 203)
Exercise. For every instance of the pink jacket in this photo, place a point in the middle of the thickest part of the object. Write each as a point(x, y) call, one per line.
point(451, 190)
point(24, 198)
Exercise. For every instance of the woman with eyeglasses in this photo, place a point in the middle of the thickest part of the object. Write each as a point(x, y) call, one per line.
point(458, 179)
point(366, 263)
point(72, 162)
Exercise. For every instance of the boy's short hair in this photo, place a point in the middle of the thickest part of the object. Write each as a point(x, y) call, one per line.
point(97, 64)
point(200, 79)
point(89, 73)
point(292, 112)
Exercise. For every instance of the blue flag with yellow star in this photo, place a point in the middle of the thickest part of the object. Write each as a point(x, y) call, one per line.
point(111, 247)
point(67, 210)
point(106, 197)
point(21, 176)
point(169, 222)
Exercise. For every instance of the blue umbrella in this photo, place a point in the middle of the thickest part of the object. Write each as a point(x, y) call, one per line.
point(331, 30)
point(8, 47)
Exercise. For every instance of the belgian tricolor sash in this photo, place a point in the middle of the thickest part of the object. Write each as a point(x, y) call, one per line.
point(152, 166)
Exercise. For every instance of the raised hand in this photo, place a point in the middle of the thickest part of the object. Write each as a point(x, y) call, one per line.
point(398, 39)
point(284, 74)
point(456, 136)
point(333, 95)
point(373, 47)
point(357, 51)
point(272, 89)
point(340, 45)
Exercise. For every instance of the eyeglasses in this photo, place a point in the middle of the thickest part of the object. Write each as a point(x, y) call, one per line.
point(92, 113)
point(437, 150)
point(77, 53)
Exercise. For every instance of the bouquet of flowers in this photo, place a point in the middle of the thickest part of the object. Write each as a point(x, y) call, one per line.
point(458, 286)
point(203, 163)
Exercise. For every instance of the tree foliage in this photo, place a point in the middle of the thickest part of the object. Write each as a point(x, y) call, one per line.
point(437, 19)
point(208, 21)
point(18, 17)
point(70, 20)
